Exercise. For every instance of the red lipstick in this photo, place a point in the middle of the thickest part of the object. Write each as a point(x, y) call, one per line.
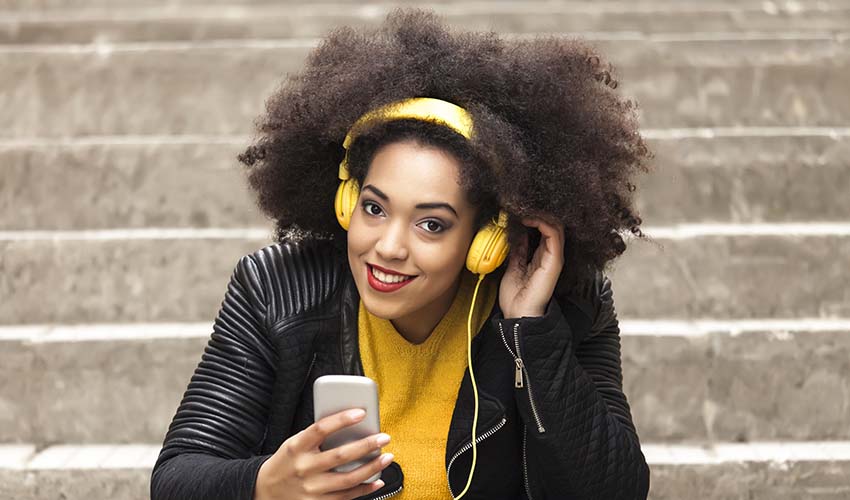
point(384, 287)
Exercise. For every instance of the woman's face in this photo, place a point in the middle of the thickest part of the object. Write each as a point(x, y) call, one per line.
point(413, 218)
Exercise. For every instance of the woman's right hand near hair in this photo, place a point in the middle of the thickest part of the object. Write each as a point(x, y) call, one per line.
point(298, 470)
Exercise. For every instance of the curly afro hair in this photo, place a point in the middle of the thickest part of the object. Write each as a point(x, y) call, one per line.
point(552, 136)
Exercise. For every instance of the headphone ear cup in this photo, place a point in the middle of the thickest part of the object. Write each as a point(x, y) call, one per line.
point(488, 250)
point(345, 201)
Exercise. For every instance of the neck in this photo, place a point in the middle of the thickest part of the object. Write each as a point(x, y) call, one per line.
point(417, 327)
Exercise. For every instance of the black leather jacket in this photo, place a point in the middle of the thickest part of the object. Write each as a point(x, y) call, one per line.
point(289, 315)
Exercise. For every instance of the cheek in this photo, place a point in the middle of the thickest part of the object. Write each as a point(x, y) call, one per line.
point(357, 235)
point(446, 258)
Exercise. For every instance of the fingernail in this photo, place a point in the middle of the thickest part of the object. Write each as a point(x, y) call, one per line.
point(387, 458)
point(379, 484)
point(383, 439)
point(356, 414)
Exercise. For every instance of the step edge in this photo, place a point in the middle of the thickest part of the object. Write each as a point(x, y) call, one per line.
point(780, 329)
point(139, 456)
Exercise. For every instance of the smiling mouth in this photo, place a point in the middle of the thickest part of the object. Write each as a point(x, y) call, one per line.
point(388, 278)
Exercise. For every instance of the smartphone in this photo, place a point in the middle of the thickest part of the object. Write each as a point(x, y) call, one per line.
point(336, 393)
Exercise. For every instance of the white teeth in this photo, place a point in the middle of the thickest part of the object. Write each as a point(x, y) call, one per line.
point(388, 278)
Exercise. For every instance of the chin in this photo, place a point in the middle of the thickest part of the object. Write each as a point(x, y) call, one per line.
point(381, 309)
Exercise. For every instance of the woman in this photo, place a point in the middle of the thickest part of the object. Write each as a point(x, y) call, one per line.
point(451, 135)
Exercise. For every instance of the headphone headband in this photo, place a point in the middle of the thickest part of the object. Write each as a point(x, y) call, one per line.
point(422, 108)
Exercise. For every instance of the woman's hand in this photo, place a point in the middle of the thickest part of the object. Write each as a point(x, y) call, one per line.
point(299, 470)
point(525, 289)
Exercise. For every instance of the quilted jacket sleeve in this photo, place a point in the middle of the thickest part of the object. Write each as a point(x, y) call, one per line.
point(211, 449)
point(581, 442)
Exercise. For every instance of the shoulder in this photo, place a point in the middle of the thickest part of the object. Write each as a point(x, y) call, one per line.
point(293, 276)
point(594, 296)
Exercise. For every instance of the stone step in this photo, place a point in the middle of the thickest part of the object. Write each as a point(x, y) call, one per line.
point(122, 383)
point(679, 80)
point(779, 7)
point(123, 276)
point(211, 22)
point(727, 471)
point(688, 271)
point(709, 175)
point(29, 6)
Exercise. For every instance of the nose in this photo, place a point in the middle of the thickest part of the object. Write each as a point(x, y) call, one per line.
point(392, 243)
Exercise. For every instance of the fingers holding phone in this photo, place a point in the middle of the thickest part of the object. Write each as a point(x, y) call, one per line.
point(299, 469)
point(349, 456)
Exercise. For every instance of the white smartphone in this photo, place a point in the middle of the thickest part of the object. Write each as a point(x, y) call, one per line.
point(336, 393)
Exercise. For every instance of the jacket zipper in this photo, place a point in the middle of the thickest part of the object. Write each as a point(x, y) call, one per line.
point(467, 446)
point(525, 462)
point(520, 368)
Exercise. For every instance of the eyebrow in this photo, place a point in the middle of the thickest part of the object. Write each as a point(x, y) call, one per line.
point(386, 198)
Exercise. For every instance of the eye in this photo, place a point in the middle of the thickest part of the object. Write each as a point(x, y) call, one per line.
point(367, 204)
point(437, 223)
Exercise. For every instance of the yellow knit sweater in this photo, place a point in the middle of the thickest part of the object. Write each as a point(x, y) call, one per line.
point(418, 385)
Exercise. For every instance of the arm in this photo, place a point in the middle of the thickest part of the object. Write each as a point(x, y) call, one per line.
point(585, 446)
point(209, 449)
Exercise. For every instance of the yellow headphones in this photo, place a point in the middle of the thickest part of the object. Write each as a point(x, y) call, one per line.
point(489, 247)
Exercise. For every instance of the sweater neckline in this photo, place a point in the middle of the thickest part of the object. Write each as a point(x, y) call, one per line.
point(455, 319)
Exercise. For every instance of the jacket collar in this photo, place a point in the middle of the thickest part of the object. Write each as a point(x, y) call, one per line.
point(348, 307)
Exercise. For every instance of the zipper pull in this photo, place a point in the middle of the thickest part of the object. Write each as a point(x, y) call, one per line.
point(518, 377)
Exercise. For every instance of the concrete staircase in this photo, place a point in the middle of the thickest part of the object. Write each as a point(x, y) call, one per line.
point(122, 216)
